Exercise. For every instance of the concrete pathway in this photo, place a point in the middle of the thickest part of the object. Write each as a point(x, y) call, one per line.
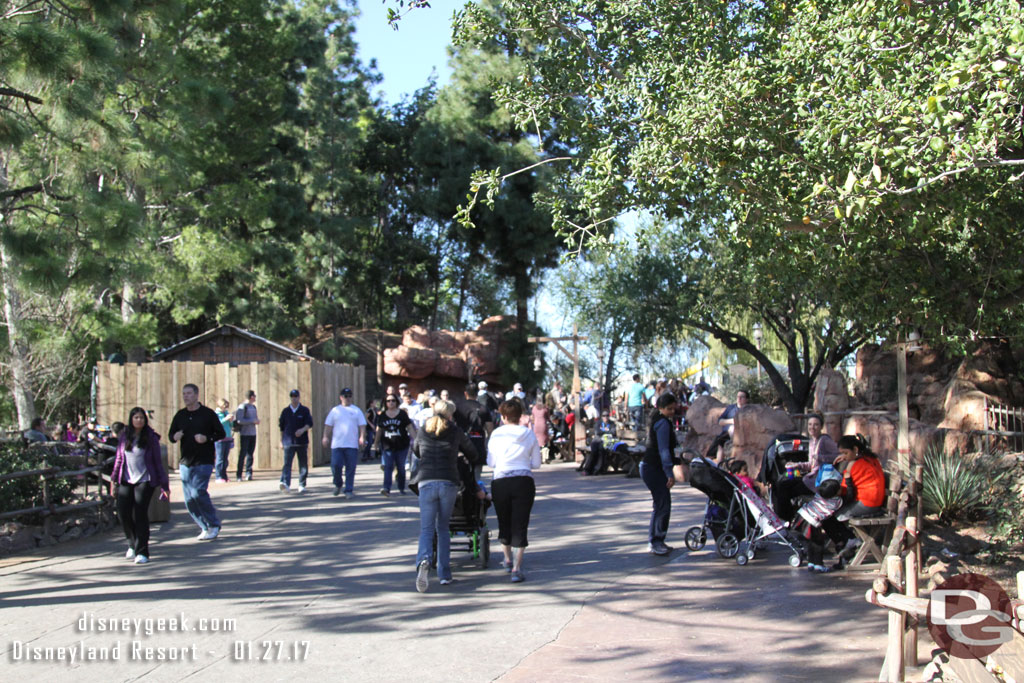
point(318, 587)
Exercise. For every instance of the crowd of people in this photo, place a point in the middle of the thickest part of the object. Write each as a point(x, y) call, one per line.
point(437, 447)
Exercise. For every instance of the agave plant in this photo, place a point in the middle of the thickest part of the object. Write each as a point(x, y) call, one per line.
point(956, 485)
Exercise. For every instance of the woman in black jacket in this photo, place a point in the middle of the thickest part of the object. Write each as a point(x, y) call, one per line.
point(437, 446)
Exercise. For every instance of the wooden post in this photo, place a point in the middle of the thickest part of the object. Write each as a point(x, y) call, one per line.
point(903, 435)
point(919, 512)
point(1020, 585)
point(910, 649)
point(48, 518)
point(894, 654)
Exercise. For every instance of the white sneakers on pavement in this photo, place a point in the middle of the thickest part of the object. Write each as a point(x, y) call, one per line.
point(209, 534)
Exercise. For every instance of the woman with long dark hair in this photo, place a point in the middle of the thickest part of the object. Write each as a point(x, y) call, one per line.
point(138, 472)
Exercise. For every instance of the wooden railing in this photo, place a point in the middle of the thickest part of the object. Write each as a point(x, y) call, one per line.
point(47, 474)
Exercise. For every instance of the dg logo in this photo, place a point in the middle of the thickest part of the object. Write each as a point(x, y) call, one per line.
point(969, 616)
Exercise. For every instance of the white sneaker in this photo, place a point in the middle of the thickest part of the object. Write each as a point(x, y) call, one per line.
point(445, 582)
point(423, 576)
point(130, 554)
point(348, 495)
point(141, 559)
point(212, 533)
point(283, 486)
point(301, 489)
point(204, 535)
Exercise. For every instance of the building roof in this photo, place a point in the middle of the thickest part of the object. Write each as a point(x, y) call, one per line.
point(226, 331)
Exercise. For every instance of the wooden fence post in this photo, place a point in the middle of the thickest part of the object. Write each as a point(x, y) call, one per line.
point(894, 655)
point(47, 518)
point(910, 651)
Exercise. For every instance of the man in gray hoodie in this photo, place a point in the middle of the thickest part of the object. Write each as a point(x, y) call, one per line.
point(246, 419)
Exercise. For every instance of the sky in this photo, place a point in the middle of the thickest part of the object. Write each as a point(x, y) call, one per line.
point(408, 56)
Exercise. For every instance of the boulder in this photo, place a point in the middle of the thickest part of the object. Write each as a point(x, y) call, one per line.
point(483, 356)
point(450, 366)
point(446, 343)
point(831, 396)
point(405, 361)
point(876, 375)
point(417, 337)
point(755, 427)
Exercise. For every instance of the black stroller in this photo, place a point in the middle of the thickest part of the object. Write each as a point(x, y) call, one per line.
point(784, 448)
point(739, 520)
point(468, 523)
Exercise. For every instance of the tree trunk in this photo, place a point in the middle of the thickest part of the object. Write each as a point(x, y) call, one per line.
point(21, 382)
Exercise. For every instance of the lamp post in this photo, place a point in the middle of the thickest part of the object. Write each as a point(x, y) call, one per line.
point(758, 335)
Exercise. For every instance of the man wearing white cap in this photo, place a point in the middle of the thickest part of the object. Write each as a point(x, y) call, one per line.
point(487, 400)
point(517, 391)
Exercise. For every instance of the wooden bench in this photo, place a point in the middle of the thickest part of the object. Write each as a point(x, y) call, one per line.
point(867, 529)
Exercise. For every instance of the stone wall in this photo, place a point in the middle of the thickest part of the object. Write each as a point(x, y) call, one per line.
point(444, 353)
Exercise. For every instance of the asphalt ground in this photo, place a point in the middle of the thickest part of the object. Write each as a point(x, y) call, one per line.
point(317, 587)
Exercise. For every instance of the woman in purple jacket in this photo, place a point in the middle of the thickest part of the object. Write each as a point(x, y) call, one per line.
point(138, 471)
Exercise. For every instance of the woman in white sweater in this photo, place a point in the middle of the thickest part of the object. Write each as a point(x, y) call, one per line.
point(513, 451)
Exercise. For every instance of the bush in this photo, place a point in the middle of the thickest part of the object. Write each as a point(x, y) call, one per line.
point(1007, 504)
point(27, 492)
point(959, 486)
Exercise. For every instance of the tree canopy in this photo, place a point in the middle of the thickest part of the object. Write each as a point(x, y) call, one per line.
point(805, 156)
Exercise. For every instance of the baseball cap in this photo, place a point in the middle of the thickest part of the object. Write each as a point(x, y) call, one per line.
point(294, 392)
point(518, 386)
point(403, 385)
point(346, 391)
point(481, 385)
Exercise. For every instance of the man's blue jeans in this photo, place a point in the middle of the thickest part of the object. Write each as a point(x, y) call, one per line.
point(657, 483)
point(344, 459)
point(390, 460)
point(289, 454)
point(194, 481)
point(636, 414)
point(437, 500)
point(222, 448)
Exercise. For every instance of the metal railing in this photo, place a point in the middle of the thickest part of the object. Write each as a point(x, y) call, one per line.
point(1004, 426)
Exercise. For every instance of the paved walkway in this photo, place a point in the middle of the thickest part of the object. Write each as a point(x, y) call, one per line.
point(319, 587)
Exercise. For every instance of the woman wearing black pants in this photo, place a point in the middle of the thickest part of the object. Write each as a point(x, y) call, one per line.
point(138, 471)
point(513, 451)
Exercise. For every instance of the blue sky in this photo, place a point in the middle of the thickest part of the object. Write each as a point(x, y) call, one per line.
point(406, 57)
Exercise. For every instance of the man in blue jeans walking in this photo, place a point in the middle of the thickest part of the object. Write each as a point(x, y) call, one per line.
point(295, 423)
point(344, 434)
point(197, 427)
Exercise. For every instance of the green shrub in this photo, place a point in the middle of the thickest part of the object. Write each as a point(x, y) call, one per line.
point(959, 486)
point(1007, 504)
point(27, 492)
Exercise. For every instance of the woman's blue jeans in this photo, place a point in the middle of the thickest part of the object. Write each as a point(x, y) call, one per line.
point(390, 460)
point(220, 467)
point(437, 499)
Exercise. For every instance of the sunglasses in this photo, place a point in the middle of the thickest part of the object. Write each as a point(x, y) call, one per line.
point(391, 400)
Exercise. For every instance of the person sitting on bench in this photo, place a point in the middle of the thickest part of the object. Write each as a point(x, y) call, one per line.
point(599, 457)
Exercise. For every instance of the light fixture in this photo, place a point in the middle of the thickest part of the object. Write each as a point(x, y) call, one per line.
point(538, 362)
point(758, 334)
point(914, 340)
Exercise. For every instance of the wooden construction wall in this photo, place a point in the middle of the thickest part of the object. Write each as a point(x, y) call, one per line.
point(157, 387)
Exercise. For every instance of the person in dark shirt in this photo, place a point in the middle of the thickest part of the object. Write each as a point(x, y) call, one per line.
point(394, 433)
point(196, 428)
point(295, 423)
point(474, 419)
point(656, 469)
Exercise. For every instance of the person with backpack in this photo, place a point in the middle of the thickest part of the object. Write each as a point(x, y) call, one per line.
point(475, 420)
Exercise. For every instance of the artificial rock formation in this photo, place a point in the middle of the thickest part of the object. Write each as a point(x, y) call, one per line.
point(444, 353)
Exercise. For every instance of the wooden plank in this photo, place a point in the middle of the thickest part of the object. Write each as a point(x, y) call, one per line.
point(1010, 657)
point(261, 458)
point(970, 671)
point(897, 620)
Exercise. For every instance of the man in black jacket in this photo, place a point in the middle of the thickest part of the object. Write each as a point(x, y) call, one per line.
point(197, 427)
point(295, 423)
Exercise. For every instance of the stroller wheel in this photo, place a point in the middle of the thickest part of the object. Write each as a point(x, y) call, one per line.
point(794, 560)
point(742, 559)
point(696, 537)
point(485, 548)
point(728, 545)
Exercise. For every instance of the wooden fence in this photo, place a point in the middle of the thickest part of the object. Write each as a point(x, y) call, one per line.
point(1004, 425)
point(157, 388)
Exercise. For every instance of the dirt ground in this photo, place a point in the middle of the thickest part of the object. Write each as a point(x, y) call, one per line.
point(975, 551)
